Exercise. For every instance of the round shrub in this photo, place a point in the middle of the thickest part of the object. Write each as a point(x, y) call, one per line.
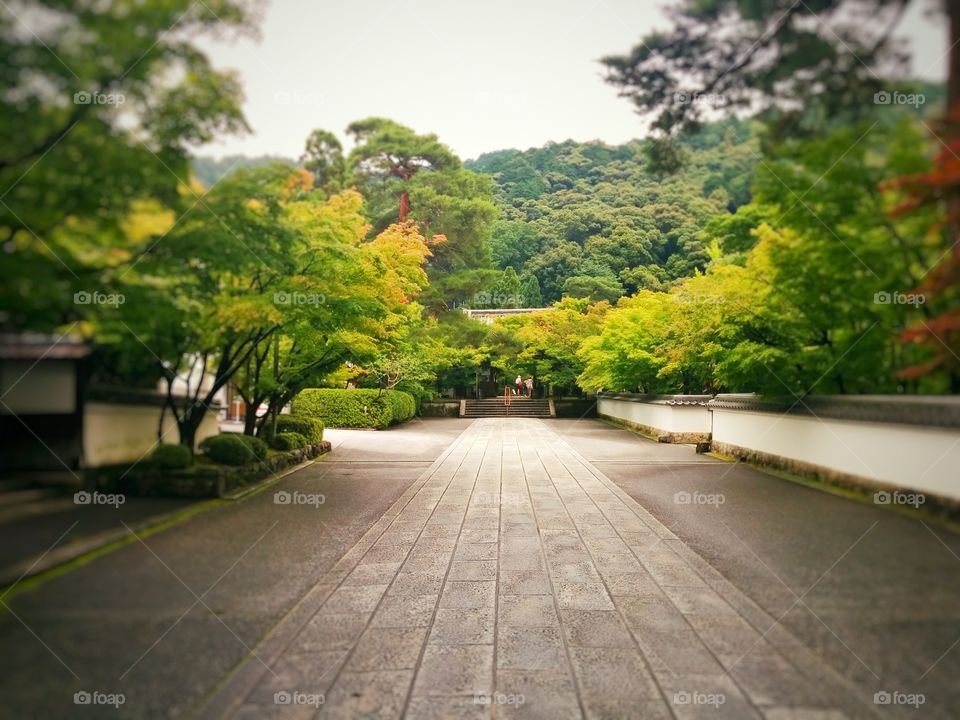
point(258, 446)
point(227, 449)
point(403, 406)
point(311, 428)
point(289, 441)
point(171, 456)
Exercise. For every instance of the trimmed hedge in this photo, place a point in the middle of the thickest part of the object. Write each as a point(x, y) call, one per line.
point(311, 428)
point(227, 449)
point(355, 408)
point(172, 457)
point(258, 446)
point(290, 441)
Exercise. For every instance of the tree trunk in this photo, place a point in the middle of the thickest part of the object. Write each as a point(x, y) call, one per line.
point(250, 417)
point(190, 423)
point(188, 433)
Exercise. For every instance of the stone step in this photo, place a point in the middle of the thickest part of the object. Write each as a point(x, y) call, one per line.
point(515, 417)
point(519, 407)
point(504, 413)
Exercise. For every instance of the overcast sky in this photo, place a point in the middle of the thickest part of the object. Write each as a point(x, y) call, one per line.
point(483, 76)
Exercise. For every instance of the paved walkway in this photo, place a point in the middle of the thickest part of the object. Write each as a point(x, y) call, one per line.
point(165, 618)
point(513, 579)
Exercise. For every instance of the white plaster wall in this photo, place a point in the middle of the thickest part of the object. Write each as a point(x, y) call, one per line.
point(115, 433)
point(922, 458)
point(669, 418)
point(690, 419)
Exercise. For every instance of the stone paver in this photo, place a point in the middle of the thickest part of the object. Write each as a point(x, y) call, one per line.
point(513, 579)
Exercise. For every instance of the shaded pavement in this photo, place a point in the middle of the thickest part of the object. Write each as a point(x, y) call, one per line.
point(163, 620)
point(502, 568)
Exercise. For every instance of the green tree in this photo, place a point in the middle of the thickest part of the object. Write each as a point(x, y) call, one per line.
point(550, 339)
point(530, 293)
point(592, 287)
point(396, 168)
point(98, 123)
point(722, 56)
point(323, 156)
point(385, 157)
point(606, 211)
point(810, 301)
point(506, 291)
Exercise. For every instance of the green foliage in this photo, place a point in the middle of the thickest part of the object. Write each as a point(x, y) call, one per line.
point(228, 449)
point(310, 427)
point(548, 341)
point(289, 441)
point(257, 446)
point(806, 301)
point(402, 406)
point(464, 346)
point(171, 457)
point(323, 157)
point(110, 101)
point(718, 57)
point(592, 287)
point(504, 291)
point(455, 204)
point(530, 293)
point(271, 286)
point(608, 220)
point(355, 408)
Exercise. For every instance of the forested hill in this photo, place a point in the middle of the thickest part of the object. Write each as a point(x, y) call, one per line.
point(590, 219)
point(209, 170)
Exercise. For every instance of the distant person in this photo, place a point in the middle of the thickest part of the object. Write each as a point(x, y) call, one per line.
point(529, 385)
point(519, 386)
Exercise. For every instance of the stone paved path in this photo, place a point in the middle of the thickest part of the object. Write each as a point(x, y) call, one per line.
point(513, 579)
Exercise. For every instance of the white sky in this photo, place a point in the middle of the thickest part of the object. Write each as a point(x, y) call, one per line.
point(483, 76)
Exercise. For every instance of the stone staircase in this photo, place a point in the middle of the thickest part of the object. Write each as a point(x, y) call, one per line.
point(519, 407)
